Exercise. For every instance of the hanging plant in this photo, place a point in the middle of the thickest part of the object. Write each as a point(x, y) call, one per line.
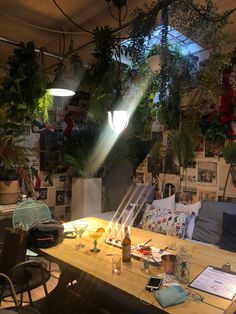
point(25, 85)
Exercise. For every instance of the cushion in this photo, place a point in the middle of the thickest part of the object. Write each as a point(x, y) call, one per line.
point(165, 203)
point(165, 221)
point(228, 237)
point(208, 226)
point(189, 208)
point(193, 210)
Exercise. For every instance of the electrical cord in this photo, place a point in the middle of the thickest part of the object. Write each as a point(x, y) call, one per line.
point(70, 19)
point(40, 27)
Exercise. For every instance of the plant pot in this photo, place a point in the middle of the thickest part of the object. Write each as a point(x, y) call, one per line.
point(154, 63)
point(9, 192)
point(86, 197)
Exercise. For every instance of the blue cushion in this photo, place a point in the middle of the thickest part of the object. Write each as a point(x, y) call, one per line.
point(209, 223)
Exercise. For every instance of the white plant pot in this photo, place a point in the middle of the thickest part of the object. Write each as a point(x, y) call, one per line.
point(86, 197)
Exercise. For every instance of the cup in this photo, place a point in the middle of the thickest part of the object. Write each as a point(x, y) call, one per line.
point(183, 267)
point(169, 263)
point(145, 262)
point(116, 264)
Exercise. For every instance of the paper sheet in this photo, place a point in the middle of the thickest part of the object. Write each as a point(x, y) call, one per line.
point(217, 282)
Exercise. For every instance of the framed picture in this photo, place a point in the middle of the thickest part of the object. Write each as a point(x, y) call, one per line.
point(207, 172)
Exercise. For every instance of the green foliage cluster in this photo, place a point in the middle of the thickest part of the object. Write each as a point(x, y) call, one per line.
point(79, 145)
point(24, 87)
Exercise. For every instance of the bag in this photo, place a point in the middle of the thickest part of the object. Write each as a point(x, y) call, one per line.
point(46, 233)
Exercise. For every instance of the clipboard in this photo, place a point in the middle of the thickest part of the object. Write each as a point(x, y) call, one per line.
point(216, 281)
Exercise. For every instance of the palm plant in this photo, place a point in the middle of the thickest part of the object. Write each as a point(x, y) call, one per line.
point(183, 144)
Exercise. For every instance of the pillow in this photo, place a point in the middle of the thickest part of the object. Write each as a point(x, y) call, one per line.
point(228, 237)
point(208, 226)
point(191, 226)
point(193, 210)
point(165, 221)
point(189, 208)
point(165, 203)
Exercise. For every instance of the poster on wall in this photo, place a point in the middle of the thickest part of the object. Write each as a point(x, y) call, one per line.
point(207, 172)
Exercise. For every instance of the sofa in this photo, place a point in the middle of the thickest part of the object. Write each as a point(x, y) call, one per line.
point(209, 222)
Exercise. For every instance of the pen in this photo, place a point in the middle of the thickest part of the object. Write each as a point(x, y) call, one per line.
point(145, 243)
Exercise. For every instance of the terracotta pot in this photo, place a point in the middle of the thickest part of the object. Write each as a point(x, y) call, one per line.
point(9, 192)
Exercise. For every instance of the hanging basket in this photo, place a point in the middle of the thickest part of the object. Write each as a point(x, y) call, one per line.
point(154, 63)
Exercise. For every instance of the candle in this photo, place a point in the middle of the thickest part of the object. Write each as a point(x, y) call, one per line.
point(122, 232)
point(110, 229)
point(116, 229)
point(129, 229)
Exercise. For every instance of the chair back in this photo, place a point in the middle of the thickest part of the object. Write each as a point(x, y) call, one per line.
point(29, 212)
point(13, 249)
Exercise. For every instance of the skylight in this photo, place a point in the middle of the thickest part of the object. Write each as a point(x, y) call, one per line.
point(175, 38)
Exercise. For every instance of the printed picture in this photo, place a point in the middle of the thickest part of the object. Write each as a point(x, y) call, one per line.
point(213, 149)
point(60, 198)
point(207, 172)
point(204, 195)
point(188, 196)
point(200, 144)
point(41, 194)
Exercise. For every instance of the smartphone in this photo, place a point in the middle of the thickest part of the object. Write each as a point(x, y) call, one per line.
point(154, 283)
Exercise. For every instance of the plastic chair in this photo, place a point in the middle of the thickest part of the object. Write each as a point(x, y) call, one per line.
point(29, 212)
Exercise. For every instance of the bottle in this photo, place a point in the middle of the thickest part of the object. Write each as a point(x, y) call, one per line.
point(126, 247)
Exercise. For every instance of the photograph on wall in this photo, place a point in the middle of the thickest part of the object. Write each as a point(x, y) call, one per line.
point(60, 197)
point(41, 194)
point(213, 149)
point(207, 195)
point(207, 172)
point(188, 195)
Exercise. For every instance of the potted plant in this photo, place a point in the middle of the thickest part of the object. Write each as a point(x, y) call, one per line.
point(86, 186)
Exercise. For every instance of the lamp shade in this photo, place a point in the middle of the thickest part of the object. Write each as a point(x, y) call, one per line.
point(59, 87)
point(118, 120)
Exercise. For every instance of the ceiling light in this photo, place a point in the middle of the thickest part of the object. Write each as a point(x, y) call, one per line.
point(118, 120)
point(59, 87)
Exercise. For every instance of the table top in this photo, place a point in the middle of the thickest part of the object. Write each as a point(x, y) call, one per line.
point(132, 279)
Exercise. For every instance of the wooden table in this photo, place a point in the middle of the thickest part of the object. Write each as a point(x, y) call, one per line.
point(132, 279)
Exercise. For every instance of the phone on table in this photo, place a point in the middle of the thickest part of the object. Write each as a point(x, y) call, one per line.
point(154, 283)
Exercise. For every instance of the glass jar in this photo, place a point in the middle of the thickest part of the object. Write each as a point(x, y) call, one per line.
point(183, 267)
